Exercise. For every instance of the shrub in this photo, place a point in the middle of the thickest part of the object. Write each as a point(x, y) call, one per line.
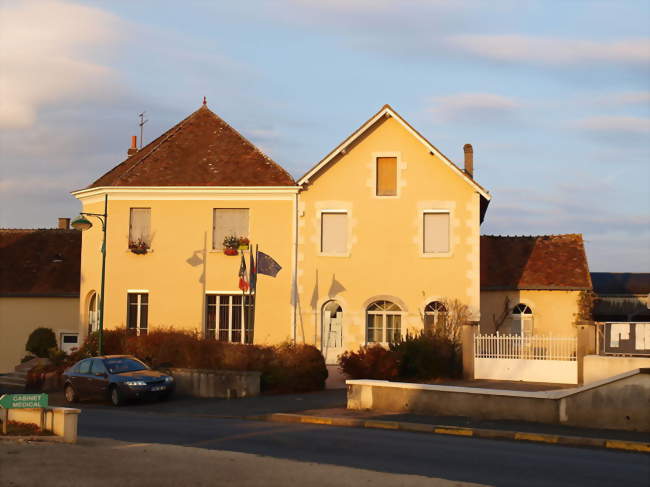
point(40, 341)
point(294, 368)
point(370, 362)
point(284, 368)
point(425, 356)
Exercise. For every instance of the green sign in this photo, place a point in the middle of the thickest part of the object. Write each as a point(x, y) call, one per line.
point(22, 401)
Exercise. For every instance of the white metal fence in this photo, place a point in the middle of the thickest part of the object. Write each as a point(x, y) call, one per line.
point(525, 347)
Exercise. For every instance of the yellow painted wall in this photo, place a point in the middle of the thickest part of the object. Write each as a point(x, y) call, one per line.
point(182, 267)
point(553, 311)
point(20, 316)
point(385, 259)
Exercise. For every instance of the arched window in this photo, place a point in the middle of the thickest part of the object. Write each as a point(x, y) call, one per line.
point(383, 322)
point(435, 316)
point(522, 320)
point(332, 331)
point(92, 313)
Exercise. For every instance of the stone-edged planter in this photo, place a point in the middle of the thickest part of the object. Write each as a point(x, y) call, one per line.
point(225, 384)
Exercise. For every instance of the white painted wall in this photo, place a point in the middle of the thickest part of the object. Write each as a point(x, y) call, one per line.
point(555, 371)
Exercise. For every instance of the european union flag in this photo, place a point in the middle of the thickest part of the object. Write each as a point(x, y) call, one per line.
point(266, 265)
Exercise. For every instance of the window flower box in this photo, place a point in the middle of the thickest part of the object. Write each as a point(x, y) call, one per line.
point(230, 245)
point(140, 247)
point(244, 243)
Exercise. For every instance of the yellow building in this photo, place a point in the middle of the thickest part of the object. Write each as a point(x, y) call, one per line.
point(39, 287)
point(372, 241)
point(533, 285)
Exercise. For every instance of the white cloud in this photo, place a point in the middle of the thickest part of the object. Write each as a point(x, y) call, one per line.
point(468, 107)
point(615, 124)
point(552, 51)
point(44, 57)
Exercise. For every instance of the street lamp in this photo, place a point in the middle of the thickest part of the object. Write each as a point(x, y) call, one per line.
point(82, 223)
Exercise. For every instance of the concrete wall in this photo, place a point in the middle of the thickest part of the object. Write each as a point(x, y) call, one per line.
point(385, 259)
point(227, 384)
point(20, 316)
point(60, 421)
point(599, 367)
point(554, 371)
point(621, 402)
point(553, 311)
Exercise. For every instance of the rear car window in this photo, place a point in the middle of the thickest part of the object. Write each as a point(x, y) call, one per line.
point(119, 365)
point(98, 367)
point(84, 367)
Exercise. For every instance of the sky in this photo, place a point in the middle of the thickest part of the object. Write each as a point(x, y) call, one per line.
point(553, 95)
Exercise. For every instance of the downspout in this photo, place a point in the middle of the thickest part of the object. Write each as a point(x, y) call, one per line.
point(295, 267)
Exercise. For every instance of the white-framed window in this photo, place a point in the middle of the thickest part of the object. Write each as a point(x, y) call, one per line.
point(522, 320)
point(137, 316)
point(383, 322)
point(386, 176)
point(435, 316)
point(229, 317)
point(140, 227)
point(334, 232)
point(227, 222)
point(436, 232)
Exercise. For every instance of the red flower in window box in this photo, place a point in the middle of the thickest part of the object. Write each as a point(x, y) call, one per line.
point(139, 247)
point(230, 251)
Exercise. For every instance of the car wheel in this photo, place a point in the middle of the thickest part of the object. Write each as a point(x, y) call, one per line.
point(70, 394)
point(116, 396)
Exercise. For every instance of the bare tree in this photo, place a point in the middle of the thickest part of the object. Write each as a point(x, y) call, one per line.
point(451, 327)
point(505, 312)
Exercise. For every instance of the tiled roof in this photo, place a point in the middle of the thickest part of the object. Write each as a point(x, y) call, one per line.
point(40, 262)
point(536, 262)
point(621, 282)
point(202, 150)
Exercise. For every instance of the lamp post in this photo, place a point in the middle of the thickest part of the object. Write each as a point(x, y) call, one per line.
point(82, 223)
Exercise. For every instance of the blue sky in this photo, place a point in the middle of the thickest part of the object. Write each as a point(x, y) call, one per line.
point(554, 96)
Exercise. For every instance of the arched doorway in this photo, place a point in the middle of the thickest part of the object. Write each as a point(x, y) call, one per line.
point(92, 312)
point(522, 320)
point(332, 331)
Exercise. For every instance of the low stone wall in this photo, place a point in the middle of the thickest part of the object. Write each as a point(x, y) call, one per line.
point(599, 367)
point(60, 421)
point(621, 402)
point(227, 384)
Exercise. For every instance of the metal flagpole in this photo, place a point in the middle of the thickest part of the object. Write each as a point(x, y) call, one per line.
point(254, 298)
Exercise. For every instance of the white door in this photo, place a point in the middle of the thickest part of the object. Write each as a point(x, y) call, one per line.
point(332, 332)
point(69, 341)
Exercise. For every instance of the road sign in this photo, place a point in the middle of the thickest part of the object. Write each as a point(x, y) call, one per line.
point(22, 401)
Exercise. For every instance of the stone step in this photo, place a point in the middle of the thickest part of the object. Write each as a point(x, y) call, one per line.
point(19, 373)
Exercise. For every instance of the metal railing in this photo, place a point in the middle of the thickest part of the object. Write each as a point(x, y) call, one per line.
point(525, 347)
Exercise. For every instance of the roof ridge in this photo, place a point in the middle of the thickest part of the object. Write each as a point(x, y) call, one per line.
point(535, 236)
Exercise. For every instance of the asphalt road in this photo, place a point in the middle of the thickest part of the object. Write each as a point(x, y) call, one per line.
point(492, 462)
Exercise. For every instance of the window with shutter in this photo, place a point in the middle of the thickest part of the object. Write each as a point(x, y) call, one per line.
point(140, 226)
point(228, 222)
point(436, 232)
point(386, 176)
point(334, 233)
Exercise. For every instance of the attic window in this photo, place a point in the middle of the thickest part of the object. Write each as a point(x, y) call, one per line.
point(387, 176)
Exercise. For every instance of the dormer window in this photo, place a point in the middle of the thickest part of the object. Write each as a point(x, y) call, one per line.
point(386, 176)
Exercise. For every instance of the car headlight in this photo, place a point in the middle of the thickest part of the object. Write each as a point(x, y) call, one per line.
point(136, 383)
point(169, 379)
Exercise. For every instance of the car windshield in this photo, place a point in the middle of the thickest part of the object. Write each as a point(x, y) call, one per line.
point(123, 364)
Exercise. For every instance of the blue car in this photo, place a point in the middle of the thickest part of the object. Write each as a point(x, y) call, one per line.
point(119, 378)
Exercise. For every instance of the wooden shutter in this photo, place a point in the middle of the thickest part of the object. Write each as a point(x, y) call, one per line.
point(436, 233)
point(386, 176)
point(227, 222)
point(139, 225)
point(334, 233)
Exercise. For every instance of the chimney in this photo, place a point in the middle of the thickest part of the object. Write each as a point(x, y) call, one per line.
point(134, 146)
point(469, 160)
point(64, 223)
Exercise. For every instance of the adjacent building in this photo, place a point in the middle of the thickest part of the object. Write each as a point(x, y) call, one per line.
point(39, 287)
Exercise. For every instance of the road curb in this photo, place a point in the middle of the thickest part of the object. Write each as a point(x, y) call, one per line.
point(634, 446)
